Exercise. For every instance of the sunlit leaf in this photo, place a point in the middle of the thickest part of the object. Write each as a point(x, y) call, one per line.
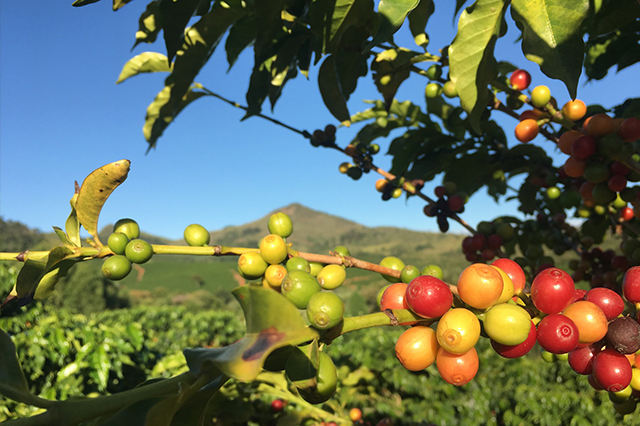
point(148, 28)
point(391, 68)
point(117, 4)
point(174, 16)
point(418, 19)
point(72, 224)
point(61, 234)
point(94, 192)
point(272, 322)
point(472, 65)
point(163, 110)
point(392, 14)
point(552, 37)
point(79, 3)
point(330, 89)
point(146, 62)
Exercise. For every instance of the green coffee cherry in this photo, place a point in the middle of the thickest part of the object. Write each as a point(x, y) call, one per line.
point(298, 264)
point(129, 227)
point(196, 235)
point(117, 242)
point(116, 267)
point(341, 250)
point(327, 381)
point(393, 263)
point(331, 276)
point(298, 287)
point(325, 310)
point(316, 267)
point(409, 272)
point(138, 251)
point(432, 270)
point(380, 293)
point(251, 265)
point(280, 224)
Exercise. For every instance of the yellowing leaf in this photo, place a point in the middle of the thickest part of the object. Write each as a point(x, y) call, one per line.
point(95, 190)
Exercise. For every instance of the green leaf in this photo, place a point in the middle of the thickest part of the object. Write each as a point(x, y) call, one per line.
point(272, 322)
point(146, 62)
point(614, 15)
point(61, 234)
point(392, 14)
point(472, 65)
point(350, 66)
point(552, 37)
point(12, 378)
point(331, 92)
point(418, 19)
point(184, 408)
point(391, 68)
point(330, 19)
point(163, 110)
point(241, 35)
point(38, 278)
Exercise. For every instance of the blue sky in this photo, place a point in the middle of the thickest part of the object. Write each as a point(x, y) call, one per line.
point(62, 116)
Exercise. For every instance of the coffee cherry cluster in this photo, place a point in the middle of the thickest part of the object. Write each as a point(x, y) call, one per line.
point(127, 247)
point(362, 155)
point(308, 285)
point(325, 138)
point(585, 328)
point(448, 204)
point(487, 241)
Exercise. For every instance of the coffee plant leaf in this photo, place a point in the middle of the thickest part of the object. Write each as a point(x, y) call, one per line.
point(146, 62)
point(392, 14)
point(12, 379)
point(94, 192)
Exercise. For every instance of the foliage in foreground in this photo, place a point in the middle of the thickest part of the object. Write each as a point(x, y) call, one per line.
point(66, 355)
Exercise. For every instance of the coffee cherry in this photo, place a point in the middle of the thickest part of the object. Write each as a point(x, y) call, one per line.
point(457, 369)
point(331, 276)
point(116, 267)
point(600, 125)
point(428, 297)
point(480, 285)
point(631, 285)
point(607, 300)
point(458, 330)
point(393, 297)
point(251, 265)
point(432, 90)
point(117, 242)
point(581, 358)
point(341, 250)
point(409, 272)
point(298, 287)
point(298, 264)
point(325, 310)
point(280, 224)
point(315, 268)
point(274, 275)
point(355, 414)
point(507, 324)
point(394, 263)
point(434, 72)
point(273, 249)
point(540, 96)
point(516, 351)
point(508, 291)
point(574, 110)
point(629, 129)
point(277, 405)
point(196, 235)
point(590, 320)
point(552, 291)
point(417, 347)
point(612, 370)
point(557, 334)
point(527, 130)
point(433, 270)
point(327, 381)
point(129, 227)
point(449, 89)
point(514, 271)
point(520, 79)
point(583, 147)
point(623, 335)
point(138, 251)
